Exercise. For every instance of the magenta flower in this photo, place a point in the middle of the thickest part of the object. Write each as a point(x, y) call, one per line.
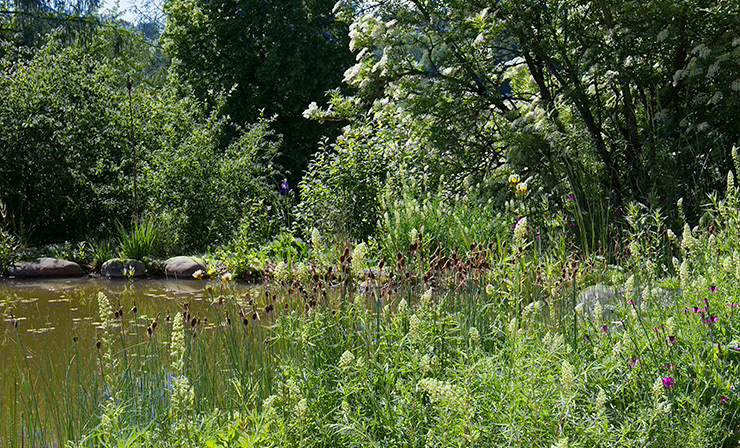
point(668, 382)
point(672, 339)
point(724, 399)
point(605, 328)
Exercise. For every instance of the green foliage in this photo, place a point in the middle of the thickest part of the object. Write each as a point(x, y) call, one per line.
point(9, 245)
point(138, 242)
point(582, 98)
point(98, 252)
point(277, 56)
point(340, 192)
point(488, 347)
point(74, 141)
point(434, 222)
point(56, 180)
point(213, 195)
point(77, 253)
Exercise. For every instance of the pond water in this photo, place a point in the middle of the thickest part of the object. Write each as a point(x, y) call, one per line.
point(44, 322)
point(55, 308)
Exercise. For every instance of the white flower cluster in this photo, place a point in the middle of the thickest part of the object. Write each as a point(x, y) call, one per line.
point(688, 242)
point(426, 298)
point(414, 327)
point(567, 378)
point(346, 361)
point(183, 396)
point(181, 400)
point(105, 311)
point(302, 272)
point(177, 345)
point(359, 256)
point(281, 272)
point(316, 244)
point(444, 394)
point(520, 232)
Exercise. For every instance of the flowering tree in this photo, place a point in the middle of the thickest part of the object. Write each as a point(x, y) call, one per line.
point(633, 92)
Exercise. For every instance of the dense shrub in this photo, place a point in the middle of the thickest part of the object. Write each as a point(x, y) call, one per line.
point(83, 122)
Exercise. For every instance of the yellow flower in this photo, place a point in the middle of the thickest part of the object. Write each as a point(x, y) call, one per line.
point(226, 278)
point(198, 274)
point(514, 180)
point(521, 189)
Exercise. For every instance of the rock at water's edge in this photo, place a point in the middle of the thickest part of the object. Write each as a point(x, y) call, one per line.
point(183, 267)
point(115, 268)
point(45, 267)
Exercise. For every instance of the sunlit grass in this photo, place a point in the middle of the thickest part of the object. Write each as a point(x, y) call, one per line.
point(489, 345)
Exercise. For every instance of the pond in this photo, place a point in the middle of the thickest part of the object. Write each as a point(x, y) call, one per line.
point(50, 326)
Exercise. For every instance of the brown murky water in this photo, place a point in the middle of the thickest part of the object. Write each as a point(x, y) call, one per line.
point(41, 321)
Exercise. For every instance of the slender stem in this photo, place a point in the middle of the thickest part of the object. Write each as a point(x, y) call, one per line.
point(133, 148)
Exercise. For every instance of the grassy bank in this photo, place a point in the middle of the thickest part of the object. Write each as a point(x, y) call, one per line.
point(481, 346)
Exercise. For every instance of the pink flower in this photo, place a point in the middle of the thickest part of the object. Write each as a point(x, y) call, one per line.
point(668, 382)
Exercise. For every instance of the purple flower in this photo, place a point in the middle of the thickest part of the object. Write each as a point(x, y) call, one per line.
point(712, 288)
point(633, 361)
point(284, 189)
point(605, 328)
point(672, 339)
point(668, 382)
point(724, 399)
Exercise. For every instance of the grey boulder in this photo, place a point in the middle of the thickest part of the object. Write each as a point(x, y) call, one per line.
point(183, 267)
point(45, 267)
point(117, 268)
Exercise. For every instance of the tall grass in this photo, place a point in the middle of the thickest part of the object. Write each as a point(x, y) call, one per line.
point(138, 242)
point(492, 345)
